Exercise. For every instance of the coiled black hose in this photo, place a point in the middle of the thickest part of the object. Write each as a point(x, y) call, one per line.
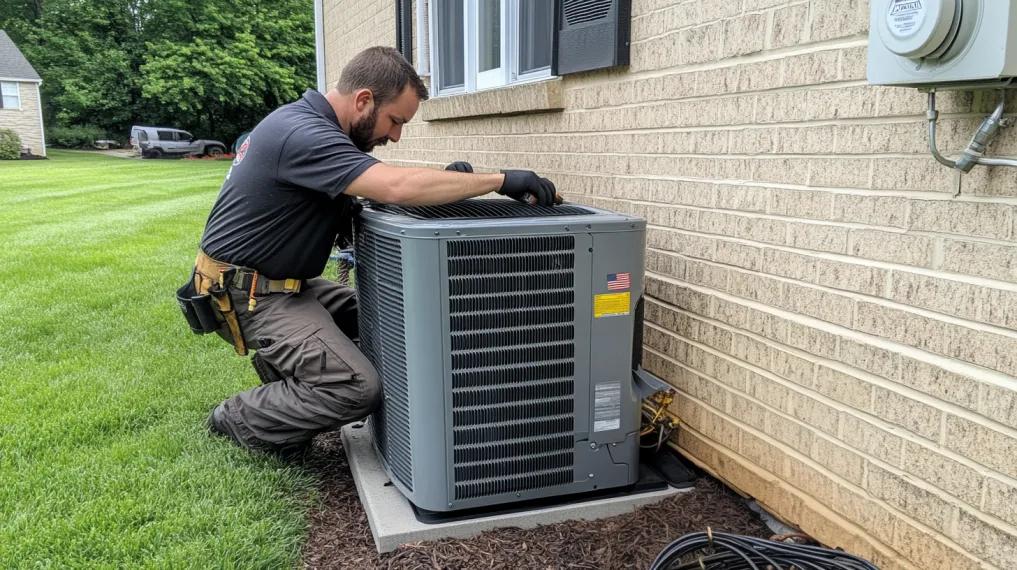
point(723, 551)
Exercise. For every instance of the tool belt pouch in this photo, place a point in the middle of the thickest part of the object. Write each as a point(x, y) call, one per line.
point(197, 309)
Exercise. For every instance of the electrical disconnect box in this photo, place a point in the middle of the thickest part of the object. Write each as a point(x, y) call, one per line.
point(943, 44)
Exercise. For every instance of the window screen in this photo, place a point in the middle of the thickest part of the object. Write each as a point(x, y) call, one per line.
point(535, 21)
point(450, 44)
point(11, 98)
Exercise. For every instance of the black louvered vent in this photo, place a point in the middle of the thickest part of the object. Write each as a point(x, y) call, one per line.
point(512, 313)
point(579, 12)
point(382, 339)
point(482, 209)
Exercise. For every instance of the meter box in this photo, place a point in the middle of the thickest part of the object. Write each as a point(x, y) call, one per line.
point(942, 43)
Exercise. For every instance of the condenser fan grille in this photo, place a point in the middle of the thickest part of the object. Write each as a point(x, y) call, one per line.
point(482, 209)
point(512, 314)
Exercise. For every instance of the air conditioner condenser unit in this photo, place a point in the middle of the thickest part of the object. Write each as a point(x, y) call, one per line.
point(506, 336)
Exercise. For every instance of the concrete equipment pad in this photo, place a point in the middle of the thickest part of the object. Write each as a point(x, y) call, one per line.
point(393, 522)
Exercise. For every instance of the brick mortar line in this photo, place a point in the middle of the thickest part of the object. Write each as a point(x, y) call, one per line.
point(975, 372)
point(823, 511)
point(834, 476)
point(714, 156)
point(847, 258)
point(854, 296)
point(886, 384)
point(768, 55)
point(830, 513)
point(926, 486)
point(864, 192)
point(875, 421)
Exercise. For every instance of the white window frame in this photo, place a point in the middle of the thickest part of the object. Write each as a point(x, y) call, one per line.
point(4, 86)
point(507, 74)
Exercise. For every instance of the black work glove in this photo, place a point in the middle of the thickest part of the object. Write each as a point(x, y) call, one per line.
point(528, 188)
point(460, 166)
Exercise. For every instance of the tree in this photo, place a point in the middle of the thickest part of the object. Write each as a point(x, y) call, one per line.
point(213, 67)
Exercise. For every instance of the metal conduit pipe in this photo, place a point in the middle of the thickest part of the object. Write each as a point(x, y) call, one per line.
point(932, 115)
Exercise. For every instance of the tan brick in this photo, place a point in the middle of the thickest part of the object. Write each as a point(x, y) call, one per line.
point(917, 417)
point(706, 274)
point(872, 210)
point(781, 170)
point(839, 459)
point(818, 237)
point(811, 68)
point(914, 174)
point(803, 140)
point(869, 358)
point(1001, 499)
point(769, 392)
point(758, 288)
point(809, 339)
point(743, 35)
point(925, 506)
point(942, 295)
point(927, 549)
point(935, 381)
point(789, 432)
point(999, 307)
point(800, 204)
point(788, 264)
point(853, 63)
point(789, 26)
point(992, 543)
point(752, 351)
point(839, 103)
point(783, 106)
point(997, 402)
point(969, 219)
point(982, 259)
point(894, 247)
point(762, 453)
point(744, 198)
point(737, 254)
point(814, 413)
point(838, 18)
point(817, 303)
point(747, 411)
point(851, 277)
point(949, 475)
point(840, 172)
point(982, 444)
point(906, 137)
point(871, 439)
point(844, 388)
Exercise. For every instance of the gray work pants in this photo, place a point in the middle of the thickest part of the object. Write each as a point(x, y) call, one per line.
point(327, 381)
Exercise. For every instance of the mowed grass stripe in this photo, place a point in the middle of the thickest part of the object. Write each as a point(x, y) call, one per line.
point(104, 460)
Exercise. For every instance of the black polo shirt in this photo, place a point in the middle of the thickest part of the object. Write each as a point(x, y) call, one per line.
point(282, 203)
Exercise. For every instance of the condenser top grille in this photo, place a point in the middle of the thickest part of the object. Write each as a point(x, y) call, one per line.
point(482, 209)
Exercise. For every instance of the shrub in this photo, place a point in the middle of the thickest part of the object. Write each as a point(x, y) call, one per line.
point(75, 136)
point(10, 145)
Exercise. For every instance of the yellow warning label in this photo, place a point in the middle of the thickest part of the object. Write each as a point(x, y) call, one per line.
point(611, 304)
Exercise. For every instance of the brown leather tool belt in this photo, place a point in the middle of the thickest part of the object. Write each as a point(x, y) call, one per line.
point(242, 279)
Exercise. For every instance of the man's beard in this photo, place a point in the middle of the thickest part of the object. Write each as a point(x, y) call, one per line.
point(361, 131)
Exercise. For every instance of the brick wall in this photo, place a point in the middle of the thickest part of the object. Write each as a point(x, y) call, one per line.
point(837, 310)
point(25, 121)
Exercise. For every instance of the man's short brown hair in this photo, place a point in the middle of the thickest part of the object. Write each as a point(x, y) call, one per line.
point(384, 71)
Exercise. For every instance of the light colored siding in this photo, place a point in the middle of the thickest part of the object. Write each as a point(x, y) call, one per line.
point(842, 328)
point(25, 121)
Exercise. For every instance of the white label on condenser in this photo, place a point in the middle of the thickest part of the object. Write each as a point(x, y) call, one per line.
point(905, 17)
point(607, 406)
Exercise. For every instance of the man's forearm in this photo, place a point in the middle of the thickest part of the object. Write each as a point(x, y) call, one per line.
point(425, 187)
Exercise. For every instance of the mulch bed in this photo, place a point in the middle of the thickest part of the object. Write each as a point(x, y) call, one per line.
point(340, 537)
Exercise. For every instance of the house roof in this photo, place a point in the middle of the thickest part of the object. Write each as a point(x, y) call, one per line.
point(13, 64)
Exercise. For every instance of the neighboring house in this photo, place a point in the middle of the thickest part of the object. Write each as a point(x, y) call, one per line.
point(20, 105)
point(837, 310)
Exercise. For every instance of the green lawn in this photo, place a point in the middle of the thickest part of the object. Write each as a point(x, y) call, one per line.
point(104, 457)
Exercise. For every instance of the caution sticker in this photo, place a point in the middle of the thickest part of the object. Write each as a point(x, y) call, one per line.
point(611, 304)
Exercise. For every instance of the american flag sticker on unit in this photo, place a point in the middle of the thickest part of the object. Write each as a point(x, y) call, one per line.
point(619, 281)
